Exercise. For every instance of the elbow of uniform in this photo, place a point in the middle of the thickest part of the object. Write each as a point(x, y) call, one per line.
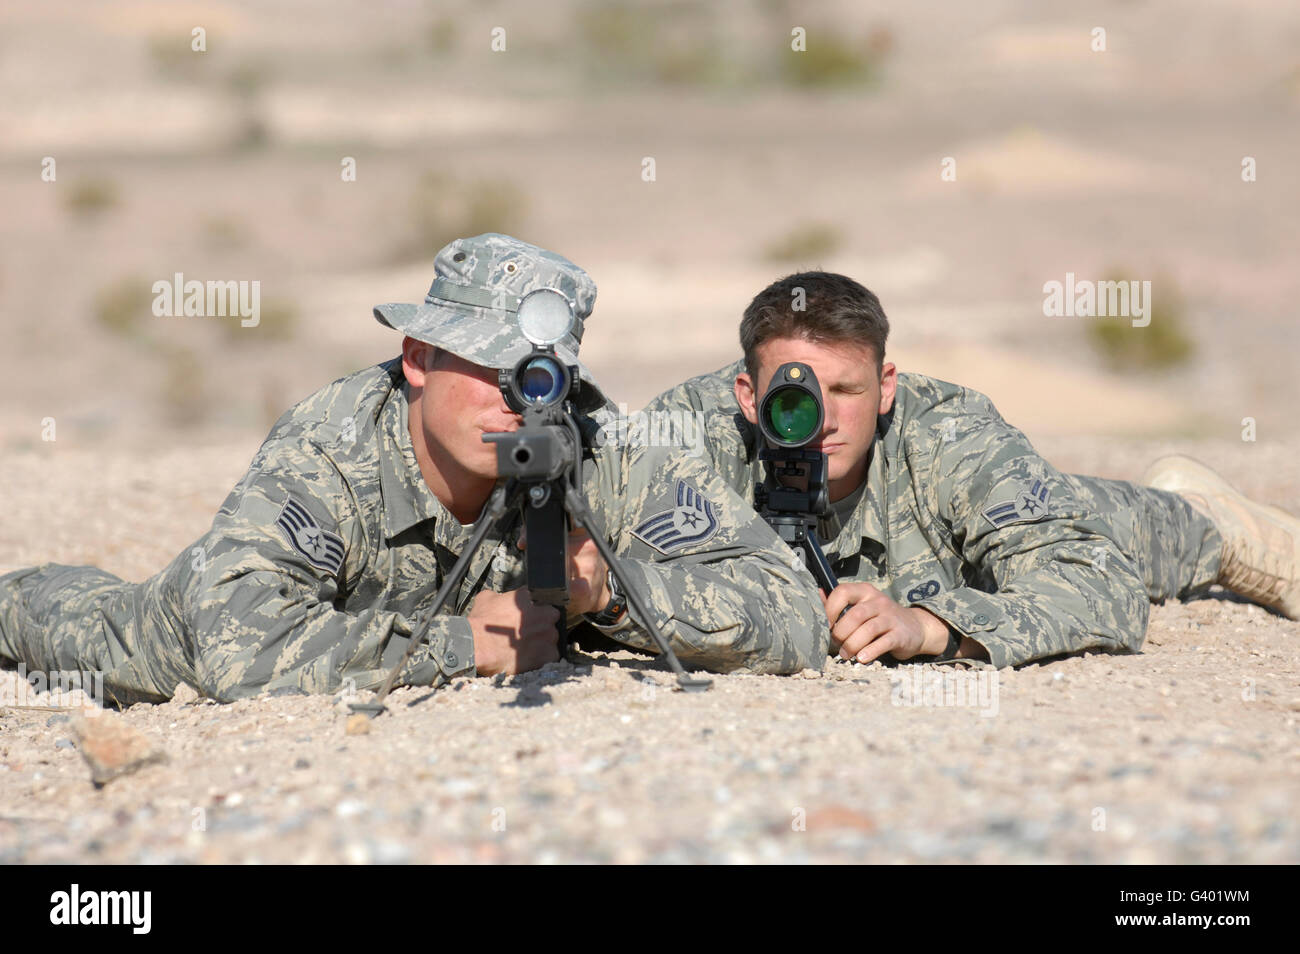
point(1134, 615)
point(211, 689)
point(212, 686)
point(805, 637)
point(1125, 609)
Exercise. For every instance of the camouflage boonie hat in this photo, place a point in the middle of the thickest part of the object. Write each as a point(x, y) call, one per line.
point(472, 305)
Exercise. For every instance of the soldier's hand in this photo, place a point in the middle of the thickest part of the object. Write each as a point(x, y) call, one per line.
point(588, 575)
point(512, 633)
point(866, 624)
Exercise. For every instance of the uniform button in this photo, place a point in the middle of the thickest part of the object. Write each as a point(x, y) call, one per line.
point(451, 659)
point(980, 619)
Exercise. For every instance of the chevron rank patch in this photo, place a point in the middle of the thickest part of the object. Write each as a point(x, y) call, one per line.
point(694, 520)
point(321, 548)
point(1030, 504)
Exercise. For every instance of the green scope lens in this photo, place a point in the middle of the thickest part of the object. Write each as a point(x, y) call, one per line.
point(792, 412)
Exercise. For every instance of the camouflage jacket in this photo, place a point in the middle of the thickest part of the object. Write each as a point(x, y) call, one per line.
point(323, 561)
point(961, 516)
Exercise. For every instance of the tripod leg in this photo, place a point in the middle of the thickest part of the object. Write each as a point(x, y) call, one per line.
point(817, 562)
point(503, 497)
point(582, 514)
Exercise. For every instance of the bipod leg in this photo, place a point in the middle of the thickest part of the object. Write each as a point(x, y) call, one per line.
point(580, 512)
point(817, 562)
point(503, 497)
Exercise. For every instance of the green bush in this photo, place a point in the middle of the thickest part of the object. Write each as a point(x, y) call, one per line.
point(125, 307)
point(277, 321)
point(224, 233)
point(673, 43)
point(173, 54)
point(442, 35)
point(441, 209)
point(1163, 343)
point(247, 80)
point(831, 60)
point(616, 31)
point(89, 197)
point(805, 244)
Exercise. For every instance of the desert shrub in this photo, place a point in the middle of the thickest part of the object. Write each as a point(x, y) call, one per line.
point(805, 244)
point(1163, 343)
point(89, 197)
point(124, 307)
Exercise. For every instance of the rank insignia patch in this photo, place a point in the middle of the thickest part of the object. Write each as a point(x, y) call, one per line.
point(694, 520)
point(1029, 504)
point(321, 548)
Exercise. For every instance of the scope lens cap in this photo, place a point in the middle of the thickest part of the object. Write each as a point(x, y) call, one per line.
point(545, 316)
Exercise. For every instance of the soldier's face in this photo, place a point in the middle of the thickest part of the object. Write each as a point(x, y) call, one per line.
point(853, 392)
point(459, 403)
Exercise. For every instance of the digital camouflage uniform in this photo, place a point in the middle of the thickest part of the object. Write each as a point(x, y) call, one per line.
point(323, 561)
point(963, 517)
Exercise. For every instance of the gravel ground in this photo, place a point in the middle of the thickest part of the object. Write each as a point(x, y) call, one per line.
point(1184, 754)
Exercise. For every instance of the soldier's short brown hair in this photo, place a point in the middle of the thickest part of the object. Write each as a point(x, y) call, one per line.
point(835, 308)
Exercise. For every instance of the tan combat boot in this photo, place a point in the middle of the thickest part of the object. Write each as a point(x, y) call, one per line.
point(1261, 544)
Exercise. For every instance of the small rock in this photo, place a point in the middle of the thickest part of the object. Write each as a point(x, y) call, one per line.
point(64, 744)
point(358, 724)
point(357, 854)
point(810, 673)
point(343, 701)
point(389, 853)
point(349, 808)
point(111, 747)
point(56, 720)
point(185, 695)
point(301, 764)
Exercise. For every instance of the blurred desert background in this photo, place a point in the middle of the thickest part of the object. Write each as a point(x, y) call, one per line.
point(226, 165)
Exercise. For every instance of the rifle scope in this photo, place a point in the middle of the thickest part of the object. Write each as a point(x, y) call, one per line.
point(540, 379)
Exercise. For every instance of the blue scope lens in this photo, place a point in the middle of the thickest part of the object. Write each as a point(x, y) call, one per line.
point(541, 381)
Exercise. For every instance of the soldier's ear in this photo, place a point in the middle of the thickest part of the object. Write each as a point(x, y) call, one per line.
point(745, 397)
point(417, 359)
point(888, 387)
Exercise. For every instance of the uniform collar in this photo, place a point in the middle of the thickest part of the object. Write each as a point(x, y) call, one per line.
point(407, 498)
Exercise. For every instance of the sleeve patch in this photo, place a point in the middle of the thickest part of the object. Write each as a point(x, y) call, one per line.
point(693, 521)
point(322, 548)
point(1028, 505)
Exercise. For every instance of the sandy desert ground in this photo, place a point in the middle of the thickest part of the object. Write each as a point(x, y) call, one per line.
point(1186, 753)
